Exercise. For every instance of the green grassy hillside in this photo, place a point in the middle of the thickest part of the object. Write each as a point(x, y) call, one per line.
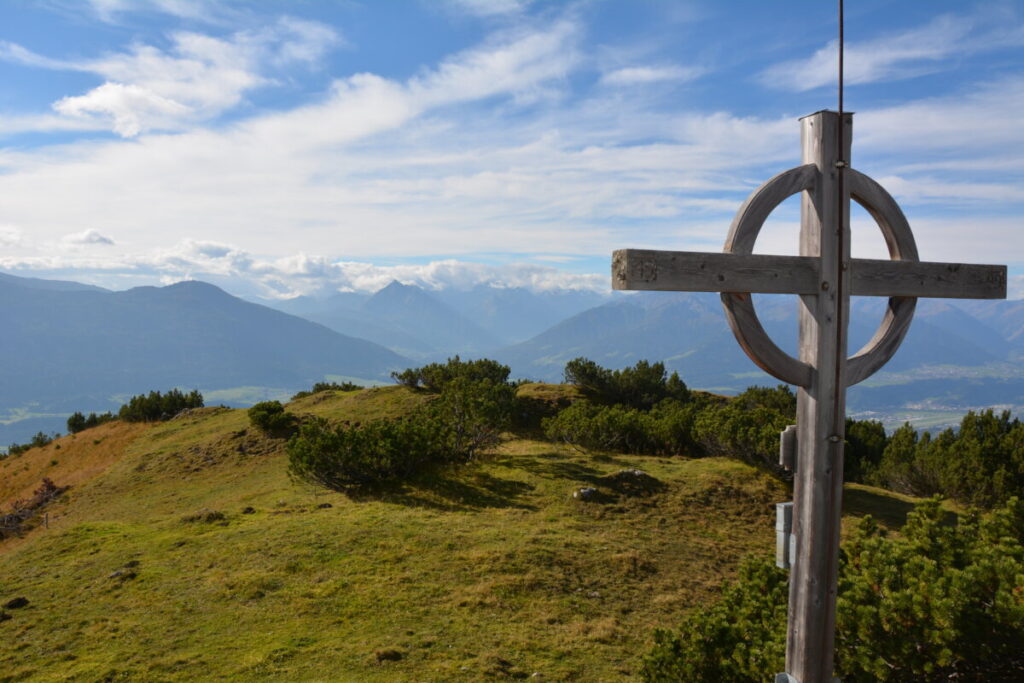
point(183, 552)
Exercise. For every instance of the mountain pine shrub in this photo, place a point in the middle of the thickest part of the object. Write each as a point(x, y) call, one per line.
point(641, 386)
point(38, 441)
point(156, 407)
point(435, 376)
point(747, 426)
point(79, 422)
point(939, 602)
point(271, 418)
point(328, 386)
point(981, 463)
point(667, 429)
point(453, 428)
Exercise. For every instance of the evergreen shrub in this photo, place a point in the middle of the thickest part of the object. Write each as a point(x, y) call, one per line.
point(78, 422)
point(156, 407)
point(271, 418)
point(939, 602)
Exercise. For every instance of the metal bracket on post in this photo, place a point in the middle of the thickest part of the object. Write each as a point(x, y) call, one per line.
point(785, 541)
point(787, 448)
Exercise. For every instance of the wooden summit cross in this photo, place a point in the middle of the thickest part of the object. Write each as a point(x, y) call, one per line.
point(825, 277)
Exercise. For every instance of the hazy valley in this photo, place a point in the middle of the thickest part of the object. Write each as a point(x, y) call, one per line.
point(80, 347)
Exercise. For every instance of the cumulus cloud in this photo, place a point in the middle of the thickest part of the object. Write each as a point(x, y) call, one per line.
point(298, 273)
point(197, 78)
point(131, 108)
point(457, 161)
point(87, 237)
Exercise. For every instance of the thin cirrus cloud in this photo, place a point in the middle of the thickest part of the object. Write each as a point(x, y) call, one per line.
point(488, 8)
point(642, 75)
point(197, 78)
point(890, 57)
point(111, 11)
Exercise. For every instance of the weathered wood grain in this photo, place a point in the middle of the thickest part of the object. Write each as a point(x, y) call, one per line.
point(877, 352)
point(694, 271)
point(824, 276)
point(887, 214)
point(690, 271)
point(752, 214)
point(755, 342)
point(818, 482)
point(923, 278)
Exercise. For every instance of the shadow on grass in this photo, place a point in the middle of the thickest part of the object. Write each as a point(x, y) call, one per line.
point(627, 482)
point(888, 510)
point(552, 468)
point(451, 492)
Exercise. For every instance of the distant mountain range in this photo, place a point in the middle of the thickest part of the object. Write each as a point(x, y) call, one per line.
point(955, 355)
point(435, 324)
point(70, 346)
point(73, 347)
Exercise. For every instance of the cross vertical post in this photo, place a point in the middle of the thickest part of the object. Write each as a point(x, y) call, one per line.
point(825, 277)
point(821, 406)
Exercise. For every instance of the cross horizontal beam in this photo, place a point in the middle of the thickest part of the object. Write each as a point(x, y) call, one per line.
point(693, 271)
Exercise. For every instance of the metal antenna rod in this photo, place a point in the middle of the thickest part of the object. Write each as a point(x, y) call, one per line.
point(840, 419)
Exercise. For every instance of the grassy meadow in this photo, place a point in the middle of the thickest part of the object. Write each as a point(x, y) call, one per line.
point(183, 552)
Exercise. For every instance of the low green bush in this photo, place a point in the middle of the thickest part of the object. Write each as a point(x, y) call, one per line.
point(155, 407)
point(939, 602)
point(747, 426)
point(328, 386)
point(271, 418)
point(667, 429)
point(466, 418)
point(79, 422)
point(642, 386)
point(981, 463)
point(435, 376)
point(38, 441)
point(376, 452)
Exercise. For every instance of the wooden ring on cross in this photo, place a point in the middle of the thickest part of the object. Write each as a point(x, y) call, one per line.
point(739, 306)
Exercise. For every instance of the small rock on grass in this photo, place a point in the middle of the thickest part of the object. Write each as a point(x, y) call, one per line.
point(388, 654)
point(16, 603)
point(122, 574)
point(585, 493)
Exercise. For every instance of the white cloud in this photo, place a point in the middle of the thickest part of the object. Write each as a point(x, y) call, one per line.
point(298, 273)
point(889, 57)
point(1015, 287)
point(202, 10)
point(488, 8)
point(458, 162)
point(10, 236)
point(641, 75)
point(197, 78)
point(87, 237)
point(131, 108)
point(982, 121)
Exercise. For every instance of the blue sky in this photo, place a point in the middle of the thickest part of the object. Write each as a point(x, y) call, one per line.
point(279, 148)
